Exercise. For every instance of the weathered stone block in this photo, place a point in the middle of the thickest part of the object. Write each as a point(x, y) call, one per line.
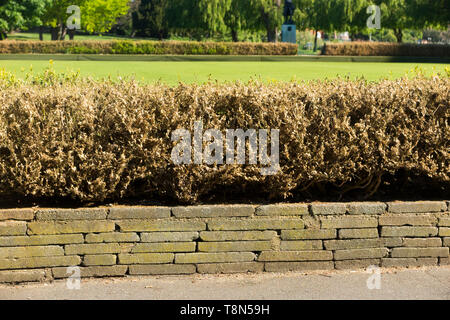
point(112, 237)
point(356, 264)
point(169, 236)
point(99, 260)
point(362, 208)
point(362, 243)
point(34, 251)
point(17, 276)
point(234, 246)
point(14, 241)
point(71, 214)
point(407, 220)
point(358, 233)
point(164, 247)
point(315, 255)
point(239, 267)
point(98, 248)
point(348, 222)
point(420, 252)
point(160, 225)
point(312, 234)
point(295, 209)
point(216, 257)
point(301, 245)
point(328, 208)
point(145, 258)
point(408, 262)
point(444, 232)
point(214, 211)
point(409, 232)
point(298, 266)
point(422, 242)
point(13, 228)
point(417, 207)
point(162, 269)
point(356, 254)
point(446, 241)
point(255, 224)
point(237, 235)
point(39, 262)
point(16, 214)
point(94, 271)
point(59, 227)
point(123, 213)
point(444, 221)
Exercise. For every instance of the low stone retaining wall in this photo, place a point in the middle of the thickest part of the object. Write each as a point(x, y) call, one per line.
point(40, 244)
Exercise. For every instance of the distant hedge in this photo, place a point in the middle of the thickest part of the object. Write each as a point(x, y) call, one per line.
point(148, 47)
point(97, 141)
point(386, 49)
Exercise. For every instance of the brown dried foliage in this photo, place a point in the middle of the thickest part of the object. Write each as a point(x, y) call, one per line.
point(147, 47)
point(386, 49)
point(97, 141)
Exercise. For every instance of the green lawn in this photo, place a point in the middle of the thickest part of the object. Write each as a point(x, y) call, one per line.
point(201, 71)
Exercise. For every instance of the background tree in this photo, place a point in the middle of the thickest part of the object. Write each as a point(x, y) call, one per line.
point(269, 16)
point(150, 19)
point(15, 14)
point(198, 18)
point(100, 15)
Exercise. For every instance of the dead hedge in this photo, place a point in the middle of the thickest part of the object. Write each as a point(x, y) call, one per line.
point(104, 141)
point(147, 47)
point(386, 49)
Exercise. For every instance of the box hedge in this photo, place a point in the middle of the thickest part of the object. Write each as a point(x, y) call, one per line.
point(105, 141)
point(386, 49)
point(147, 47)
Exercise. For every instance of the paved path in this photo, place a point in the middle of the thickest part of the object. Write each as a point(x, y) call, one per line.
point(423, 283)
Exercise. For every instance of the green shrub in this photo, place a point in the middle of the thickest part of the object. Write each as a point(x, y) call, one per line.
point(63, 137)
point(386, 49)
point(147, 47)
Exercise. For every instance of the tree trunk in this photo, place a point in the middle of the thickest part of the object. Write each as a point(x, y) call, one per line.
point(315, 41)
point(234, 35)
point(71, 34)
point(399, 35)
point(272, 35)
point(55, 34)
point(62, 32)
point(41, 33)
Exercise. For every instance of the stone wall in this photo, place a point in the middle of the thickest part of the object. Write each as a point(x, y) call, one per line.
point(39, 244)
